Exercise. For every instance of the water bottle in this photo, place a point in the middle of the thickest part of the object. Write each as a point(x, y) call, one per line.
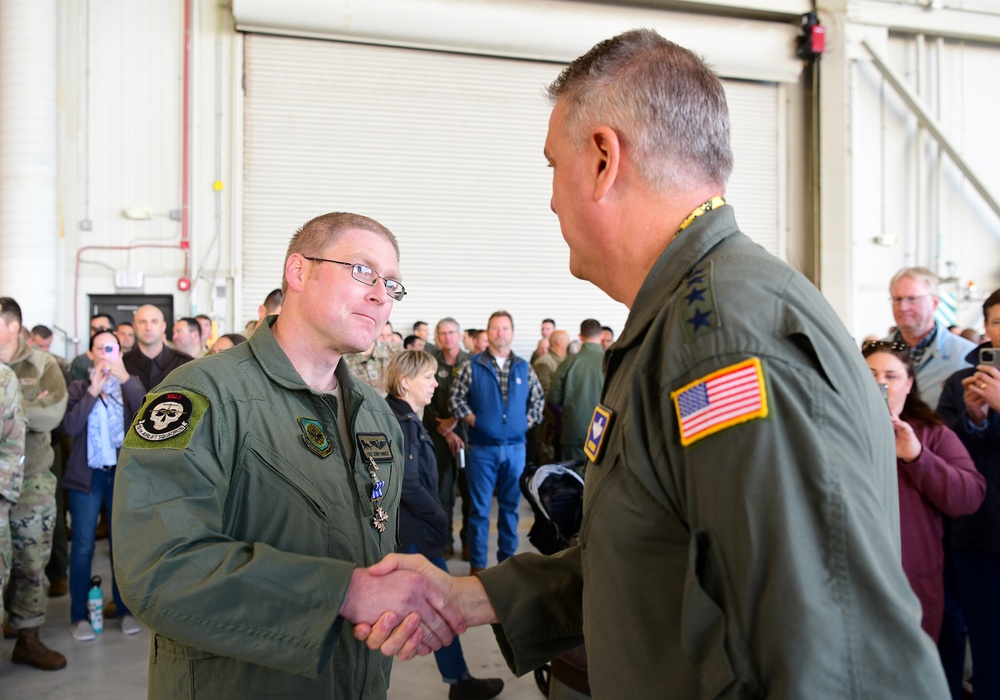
point(95, 605)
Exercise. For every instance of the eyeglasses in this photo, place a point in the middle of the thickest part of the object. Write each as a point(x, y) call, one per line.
point(895, 346)
point(910, 301)
point(366, 275)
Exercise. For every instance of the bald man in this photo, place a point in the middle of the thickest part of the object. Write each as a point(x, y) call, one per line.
point(150, 359)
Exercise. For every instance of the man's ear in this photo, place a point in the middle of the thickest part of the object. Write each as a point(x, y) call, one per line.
point(295, 273)
point(606, 148)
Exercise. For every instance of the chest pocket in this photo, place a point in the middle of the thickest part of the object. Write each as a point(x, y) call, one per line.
point(272, 501)
point(29, 388)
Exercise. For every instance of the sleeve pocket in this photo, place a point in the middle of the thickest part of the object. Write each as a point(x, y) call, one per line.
point(703, 623)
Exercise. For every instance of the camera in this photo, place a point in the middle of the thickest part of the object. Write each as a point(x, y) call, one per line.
point(989, 356)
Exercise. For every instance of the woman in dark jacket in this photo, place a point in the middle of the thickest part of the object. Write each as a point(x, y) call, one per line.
point(98, 413)
point(936, 477)
point(423, 522)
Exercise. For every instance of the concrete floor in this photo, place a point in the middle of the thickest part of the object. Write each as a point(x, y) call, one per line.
point(113, 667)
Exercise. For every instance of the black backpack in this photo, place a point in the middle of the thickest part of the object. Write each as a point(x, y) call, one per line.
point(555, 492)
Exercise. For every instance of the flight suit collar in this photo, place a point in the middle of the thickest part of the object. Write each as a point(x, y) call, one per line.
point(689, 247)
point(279, 369)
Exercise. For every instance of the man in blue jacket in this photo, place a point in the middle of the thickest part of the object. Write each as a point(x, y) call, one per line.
point(499, 396)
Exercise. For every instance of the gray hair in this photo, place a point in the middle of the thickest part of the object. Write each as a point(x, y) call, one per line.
point(664, 102)
point(921, 274)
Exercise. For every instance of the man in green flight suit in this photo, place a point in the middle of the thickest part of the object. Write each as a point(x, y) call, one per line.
point(740, 535)
point(255, 485)
point(576, 389)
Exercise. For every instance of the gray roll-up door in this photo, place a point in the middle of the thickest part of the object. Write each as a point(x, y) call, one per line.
point(446, 150)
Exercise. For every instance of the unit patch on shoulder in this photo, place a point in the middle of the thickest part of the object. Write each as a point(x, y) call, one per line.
point(166, 420)
point(375, 446)
point(696, 303)
point(600, 426)
point(731, 395)
point(314, 437)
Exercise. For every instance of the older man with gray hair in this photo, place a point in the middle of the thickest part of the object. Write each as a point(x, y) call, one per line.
point(936, 353)
point(740, 532)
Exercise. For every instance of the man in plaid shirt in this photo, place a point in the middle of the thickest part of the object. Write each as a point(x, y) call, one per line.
point(498, 394)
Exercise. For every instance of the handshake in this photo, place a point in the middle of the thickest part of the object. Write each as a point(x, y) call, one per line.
point(405, 606)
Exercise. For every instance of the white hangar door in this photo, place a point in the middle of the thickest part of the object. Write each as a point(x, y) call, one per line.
point(445, 149)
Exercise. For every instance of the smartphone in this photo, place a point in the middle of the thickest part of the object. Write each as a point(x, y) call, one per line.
point(884, 388)
point(990, 356)
point(110, 354)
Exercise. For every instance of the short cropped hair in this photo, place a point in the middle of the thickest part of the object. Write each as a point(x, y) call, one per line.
point(664, 102)
point(316, 234)
point(991, 301)
point(590, 328)
point(500, 314)
point(273, 301)
point(446, 319)
point(192, 324)
point(406, 365)
point(921, 274)
point(43, 332)
point(10, 310)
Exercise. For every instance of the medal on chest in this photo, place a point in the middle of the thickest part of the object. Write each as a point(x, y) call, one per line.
point(375, 448)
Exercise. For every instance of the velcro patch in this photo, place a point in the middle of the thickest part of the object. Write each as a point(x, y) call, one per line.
point(375, 446)
point(167, 420)
point(314, 437)
point(719, 400)
point(600, 426)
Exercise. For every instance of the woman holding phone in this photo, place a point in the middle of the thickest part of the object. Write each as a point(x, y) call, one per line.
point(98, 413)
point(935, 473)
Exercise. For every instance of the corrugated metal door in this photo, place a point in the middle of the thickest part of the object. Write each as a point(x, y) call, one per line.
point(446, 150)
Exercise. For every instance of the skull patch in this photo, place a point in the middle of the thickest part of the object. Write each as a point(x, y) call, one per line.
point(165, 416)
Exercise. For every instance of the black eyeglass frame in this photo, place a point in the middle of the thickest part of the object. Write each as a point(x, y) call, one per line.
point(357, 269)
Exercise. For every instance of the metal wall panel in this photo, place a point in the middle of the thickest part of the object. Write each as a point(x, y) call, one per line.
point(446, 150)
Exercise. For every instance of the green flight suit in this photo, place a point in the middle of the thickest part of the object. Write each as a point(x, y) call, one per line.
point(235, 539)
point(576, 388)
point(761, 560)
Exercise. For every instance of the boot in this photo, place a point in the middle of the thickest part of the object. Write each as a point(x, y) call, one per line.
point(30, 650)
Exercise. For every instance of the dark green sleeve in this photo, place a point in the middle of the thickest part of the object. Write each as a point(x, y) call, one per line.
point(539, 602)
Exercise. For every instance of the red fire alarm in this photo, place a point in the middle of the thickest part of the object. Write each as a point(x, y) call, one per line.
point(184, 284)
point(812, 41)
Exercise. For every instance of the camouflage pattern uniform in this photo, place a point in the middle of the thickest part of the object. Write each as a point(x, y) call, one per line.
point(32, 518)
point(12, 429)
point(370, 369)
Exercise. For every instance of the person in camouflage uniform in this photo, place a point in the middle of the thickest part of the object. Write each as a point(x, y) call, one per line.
point(12, 428)
point(369, 366)
point(32, 518)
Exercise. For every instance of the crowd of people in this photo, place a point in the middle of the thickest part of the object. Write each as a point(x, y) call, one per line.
point(767, 510)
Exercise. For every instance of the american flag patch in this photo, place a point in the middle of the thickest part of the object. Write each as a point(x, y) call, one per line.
point(732, 395)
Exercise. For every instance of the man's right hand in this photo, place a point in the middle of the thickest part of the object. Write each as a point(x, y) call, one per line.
point(454, 443)
point(464, 596)
point(399, 594)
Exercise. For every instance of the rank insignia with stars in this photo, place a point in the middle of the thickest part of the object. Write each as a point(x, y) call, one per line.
point(314, 437)
point(696, 303)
